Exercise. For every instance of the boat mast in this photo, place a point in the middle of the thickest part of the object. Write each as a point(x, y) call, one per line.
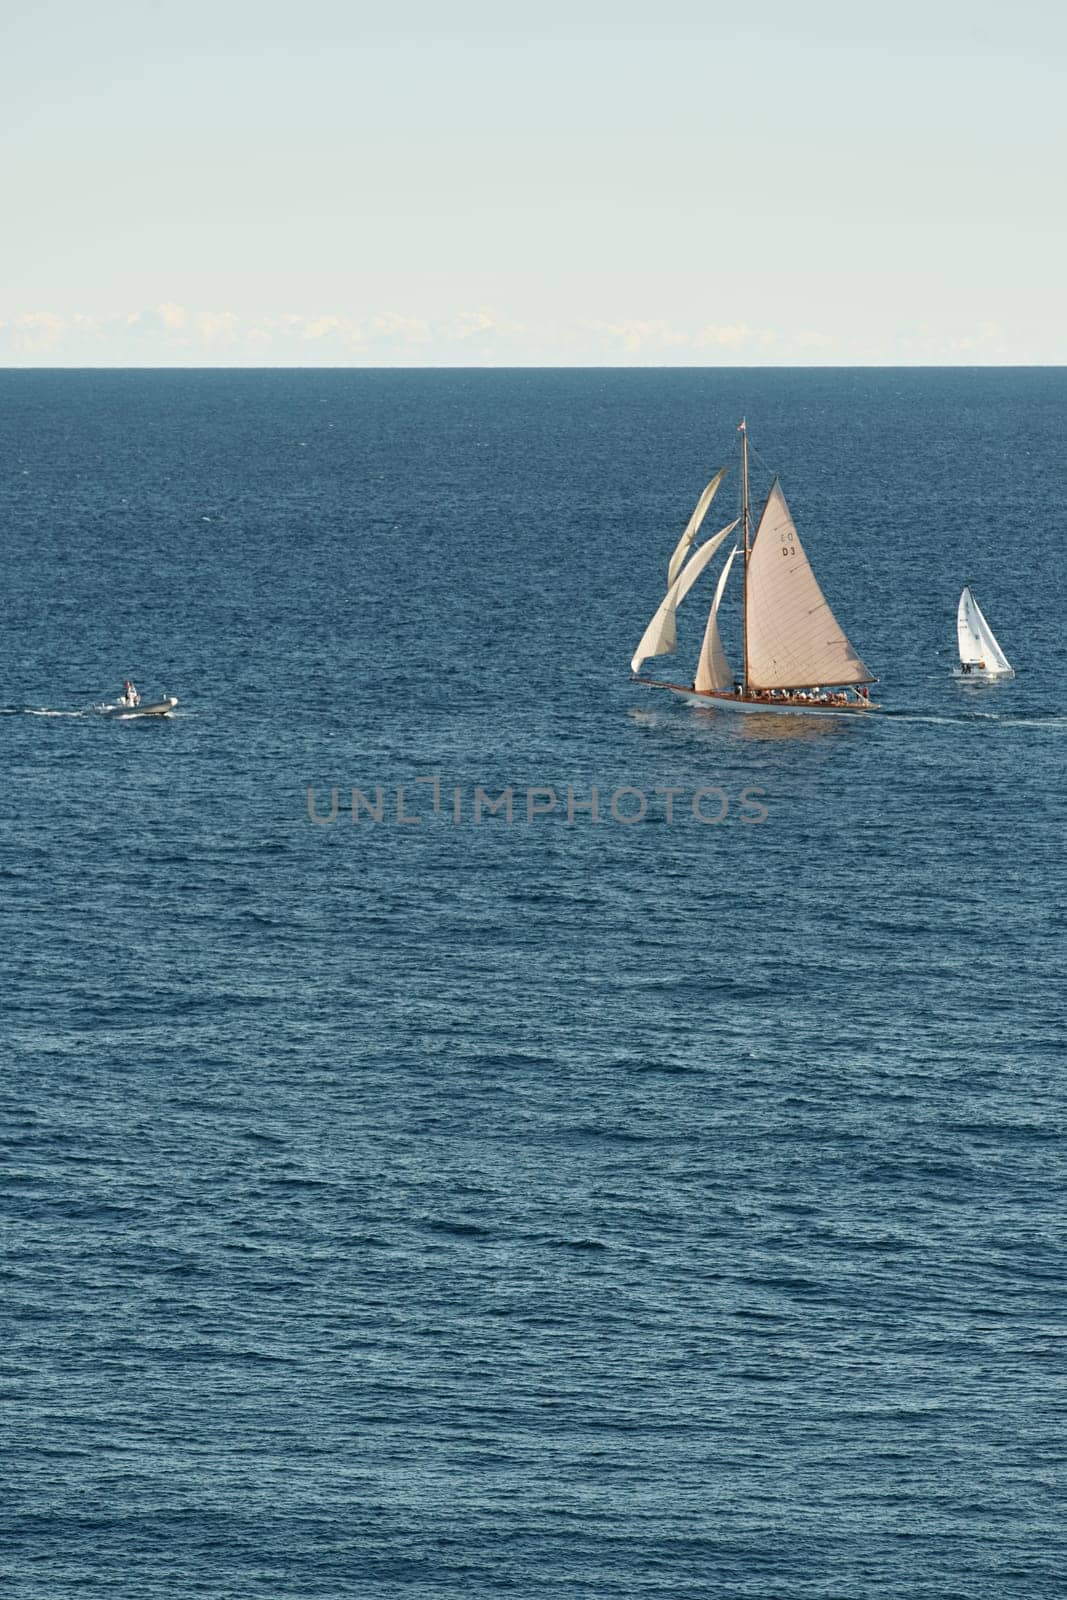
point(743, 431)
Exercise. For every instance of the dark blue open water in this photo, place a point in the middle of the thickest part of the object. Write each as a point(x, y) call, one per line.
point(536, 1210)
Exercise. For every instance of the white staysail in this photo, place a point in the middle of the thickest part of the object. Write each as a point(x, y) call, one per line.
point(660, 637)
point(699, 512)
point(792, 638)
point(713, 669)
point(978, 647)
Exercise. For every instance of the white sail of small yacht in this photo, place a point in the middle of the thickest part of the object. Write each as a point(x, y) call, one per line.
point(795, 654)
point(660, 638)
point(980, 654)
point(693, 526)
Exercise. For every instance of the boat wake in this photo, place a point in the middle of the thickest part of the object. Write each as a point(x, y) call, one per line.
point(970, 717)
point(113, 713)
point(40, 711)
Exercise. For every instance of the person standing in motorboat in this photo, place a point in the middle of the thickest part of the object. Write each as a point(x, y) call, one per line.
point(130, 697)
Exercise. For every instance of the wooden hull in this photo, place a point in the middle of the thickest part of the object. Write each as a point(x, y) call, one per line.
point(718, 701)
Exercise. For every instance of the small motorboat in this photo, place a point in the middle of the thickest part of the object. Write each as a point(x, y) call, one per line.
point(142, 708)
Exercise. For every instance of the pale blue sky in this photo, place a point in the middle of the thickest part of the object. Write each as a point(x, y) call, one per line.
point(328, 184)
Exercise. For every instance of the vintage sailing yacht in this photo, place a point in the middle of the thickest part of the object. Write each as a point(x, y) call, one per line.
point(796, 657)
point(980, 654)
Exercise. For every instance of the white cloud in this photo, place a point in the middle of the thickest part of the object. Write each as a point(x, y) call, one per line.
point(170, 333)
point(811, 339)
point(213, 326)
point(640, 334)
point(173, 317)
point(651, 336)
point(988, 339)
point(725, 335)
point(404, 330)
point(322, 327)
point(37, 331)
point(478, 324)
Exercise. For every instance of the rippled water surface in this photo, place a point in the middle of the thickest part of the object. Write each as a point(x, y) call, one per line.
point(529, 1208)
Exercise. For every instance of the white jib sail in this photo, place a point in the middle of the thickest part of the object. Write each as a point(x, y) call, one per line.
point(699, 512)
point(794, 640)
point(660, 637)
point(713, 669)
point(978, 647)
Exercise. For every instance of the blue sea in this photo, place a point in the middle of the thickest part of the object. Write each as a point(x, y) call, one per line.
point(554, 1206)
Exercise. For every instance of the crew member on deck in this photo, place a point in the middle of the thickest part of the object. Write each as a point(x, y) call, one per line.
point(130, 696)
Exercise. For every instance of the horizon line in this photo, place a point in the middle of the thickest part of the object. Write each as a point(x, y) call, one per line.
point(533, 366)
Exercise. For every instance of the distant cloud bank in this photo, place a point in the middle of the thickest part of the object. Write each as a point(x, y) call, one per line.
point(170, 334)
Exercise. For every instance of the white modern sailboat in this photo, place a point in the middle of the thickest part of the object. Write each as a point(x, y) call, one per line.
point(795, 655)
point(980, 654)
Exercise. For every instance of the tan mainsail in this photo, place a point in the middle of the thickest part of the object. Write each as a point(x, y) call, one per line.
point(699, 512)
point(792, 638)
point(660, 637)
point(713, 669)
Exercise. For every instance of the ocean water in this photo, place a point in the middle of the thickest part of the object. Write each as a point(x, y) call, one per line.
point(539, 1207)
